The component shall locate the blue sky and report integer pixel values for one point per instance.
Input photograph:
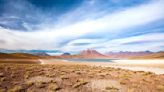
(75, 25)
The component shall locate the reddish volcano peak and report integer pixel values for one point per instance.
(90, 53)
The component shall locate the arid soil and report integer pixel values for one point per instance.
(76, 78)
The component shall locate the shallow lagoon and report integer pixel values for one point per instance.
(89, 60)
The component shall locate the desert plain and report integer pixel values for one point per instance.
(56, 75)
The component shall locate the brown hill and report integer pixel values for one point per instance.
(158, 55)
(125, 55)
(17, 56)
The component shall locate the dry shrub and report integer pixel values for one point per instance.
(53, 87)
(29, 84)
(79, 83)
(111, 88)
(17, 89)
(1, 75)
(40, 84)
(3, 79)
(160, 88)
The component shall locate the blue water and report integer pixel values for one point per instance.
(89, 60)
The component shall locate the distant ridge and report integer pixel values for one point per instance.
(125, 55)
(18, 56)
(89, 53)
(157, 55)
(66, 54)
(40, 54)
(28, 51)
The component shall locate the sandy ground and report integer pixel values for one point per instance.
(155, 66)
(54, 75)
(72, 77)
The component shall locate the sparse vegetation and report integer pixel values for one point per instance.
(29, 84)
(17, 89)
(40, 84)
(1, 75)
(160, 88)
(53, 87)
(111, 88)
(3, 79)
(80, 83)
(122, 82)
(64, 77)
(75, 78)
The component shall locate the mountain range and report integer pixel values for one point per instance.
(28, 51)
(89, 53)
(126, 54)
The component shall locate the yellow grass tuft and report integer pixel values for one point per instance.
(16, 89)
(111, 88)
(3, 79)
(29, 84)
(160, 88)
(79, 83)
(53, 87)
(40, 84)
(1, 75)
